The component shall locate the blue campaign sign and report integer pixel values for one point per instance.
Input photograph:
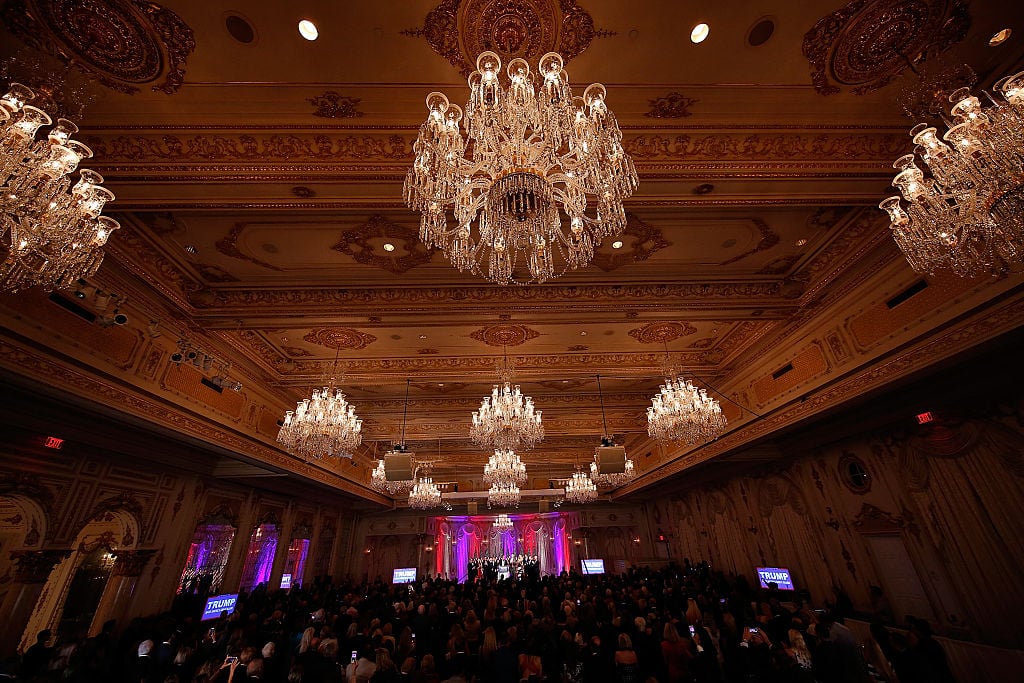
(779, 575)
(219, 603)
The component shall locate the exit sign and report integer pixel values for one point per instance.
(53, 442)
(925, 418)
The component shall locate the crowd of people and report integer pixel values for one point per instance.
(678, 624)
(504, 566)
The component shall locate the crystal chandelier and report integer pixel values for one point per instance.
(506, 419)
(682, 412)
(530, 148)
(581, 488)
(379, 481)
(969, 215)
(503, 496)
(502, 522)
(424, 494)
(48, 236)
(504, 467)
(325, 424)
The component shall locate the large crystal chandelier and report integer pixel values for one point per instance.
(580, 488)
(424, 494)
(530, 148)
(969, 215)
(503, 496)
(683, 412)
(506, 419)
(48, 236)
(324, 424)
(379, 481)
(502, 522)
(504, 467)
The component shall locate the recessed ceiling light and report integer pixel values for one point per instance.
(617, 244)
(801, 242)
(307, 29)
(388, 246)
(583, 333)
(191, 249)
(423, 336)
(1000, 37)
(440, 384)
(699, 33)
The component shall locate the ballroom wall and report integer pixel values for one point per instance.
(937, 522)
(57, 505)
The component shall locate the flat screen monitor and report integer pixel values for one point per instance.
(406, 575)
(778, 575)
(286, 581)
(503, 572)
(593, 566)
(219, 603)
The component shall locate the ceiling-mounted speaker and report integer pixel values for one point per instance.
(398, 466)
(472, 507)
(611, 460)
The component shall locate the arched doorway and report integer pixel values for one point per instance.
(80, 585)
(22, 527)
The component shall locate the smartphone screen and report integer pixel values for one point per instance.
(231, 660)
(355, 655)
(693, 631)
(753, 629)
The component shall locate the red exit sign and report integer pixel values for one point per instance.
(53, 442)
(925, 418)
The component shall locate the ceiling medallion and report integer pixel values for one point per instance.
(333, 105)
(339, 338)
(458, 30)
(969, 215)
(867, 43)
(674, 105)
(530, 153)
(505, 335)
(366, 244)
(659, 333)
(121, 43)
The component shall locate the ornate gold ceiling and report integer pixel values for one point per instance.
(259, 177)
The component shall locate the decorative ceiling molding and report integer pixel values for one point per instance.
(333, 105)
(660, 333)
(674, 105)
(123, 44)
(459, 30)
(365, 244)
(646, 240)
(505, 335)
(768, 240)
(339, 338)
(228, 246)
(866, 44)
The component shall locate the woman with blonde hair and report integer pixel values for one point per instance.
(677, 653)
(798, 649)
(693, 613)
(626, 663)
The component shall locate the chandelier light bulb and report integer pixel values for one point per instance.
(51, 233)
(522, 159)
(967, 215)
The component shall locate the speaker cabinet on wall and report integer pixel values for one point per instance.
(611, 460)
(398, 467)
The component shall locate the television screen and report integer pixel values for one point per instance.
(593, 566)
(286, 581)
(407, 575)
(779, 575)
(219, 603)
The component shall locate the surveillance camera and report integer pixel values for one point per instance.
(120, 319)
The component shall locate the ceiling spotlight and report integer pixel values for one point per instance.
(388, 246)
(307, 29)
(617, 244)
(699, 33)
(801, 242)
(1000, 37)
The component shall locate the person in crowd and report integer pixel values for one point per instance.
(37, 656)
(627, 664)
(677, 654)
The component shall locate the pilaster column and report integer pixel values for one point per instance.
(120, 588)
(31, 570)
(284, 540)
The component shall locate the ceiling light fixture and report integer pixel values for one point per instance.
(503, 496)
(969, 215)
(388, 246)
(424, 494)
(48, 236)
(1000, 37)
(530, 148)
(308, 30)
(502, 522)
(506, 419)
(617, 244)
(699, 33)
(325, 424)
(504, 467)
(682, 411)
(580, 488)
